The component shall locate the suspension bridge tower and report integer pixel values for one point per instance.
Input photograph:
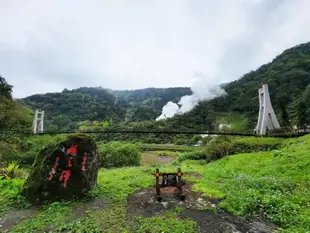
(37, 125)
(266, 116)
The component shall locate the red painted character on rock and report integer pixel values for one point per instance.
(72, 150)
(65, 175)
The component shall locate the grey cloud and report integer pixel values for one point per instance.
(121, 44)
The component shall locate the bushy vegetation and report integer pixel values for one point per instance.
(275, 183)
(165, 147)
(118, 154)
(99, 104)
(220, 146)
(10, 195)
(248, 144)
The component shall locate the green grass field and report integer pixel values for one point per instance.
(275, 184)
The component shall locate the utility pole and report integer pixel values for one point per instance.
(38, 122)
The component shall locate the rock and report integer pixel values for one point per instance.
(63, 171)
(165, 204)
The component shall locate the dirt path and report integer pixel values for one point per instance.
(204, 211)
(14, 217)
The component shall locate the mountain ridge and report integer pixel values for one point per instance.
(287, 75)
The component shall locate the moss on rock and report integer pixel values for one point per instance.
(76, 169)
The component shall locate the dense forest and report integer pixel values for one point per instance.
(288, 77)
(65, 109)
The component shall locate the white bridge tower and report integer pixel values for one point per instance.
(37, 125)
(266, 116)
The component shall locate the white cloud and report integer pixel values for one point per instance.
(51, 45)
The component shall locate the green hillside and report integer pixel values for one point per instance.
(65, 109)
(275, 183)
(288, 76)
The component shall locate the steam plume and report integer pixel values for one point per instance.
(203, 88)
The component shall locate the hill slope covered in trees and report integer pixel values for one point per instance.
(288, 76)
(63, 110)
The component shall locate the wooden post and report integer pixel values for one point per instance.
(179, 175)
(157, 185)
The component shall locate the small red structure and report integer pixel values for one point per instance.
(169, 180)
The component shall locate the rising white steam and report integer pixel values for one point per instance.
(169, 110)
(203, 88)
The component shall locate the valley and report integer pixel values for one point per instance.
(233, 183)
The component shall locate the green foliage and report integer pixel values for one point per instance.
(302, 117)
(101, 105)
(33, 145)
(252, 144)
(10, 196)
(25, 150)
(118, 154)
(195, 155)
(287, 77)
(275, 183)
(166, 147)
(107, 220)
(166, 223)
(119, 183)
(181, 139)
(166, 153)
(13, 116)
(50, 216)
(284, 115)
(5, 88)
(12, 170)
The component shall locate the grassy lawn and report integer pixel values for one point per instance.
(115, 185)
(274, 183)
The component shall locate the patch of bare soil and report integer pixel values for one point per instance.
(203, 210)
(14, 217)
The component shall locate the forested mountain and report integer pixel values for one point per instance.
(64, 109)
(288, 76)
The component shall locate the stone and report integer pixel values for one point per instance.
(63, 171)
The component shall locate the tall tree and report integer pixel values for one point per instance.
(302, 114)
(5, 88)
(284, 114)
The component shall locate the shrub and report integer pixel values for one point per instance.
(195, 155)
(118, 154)
(247, 145)
(222, 146)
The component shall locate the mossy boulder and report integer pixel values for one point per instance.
(66, 170)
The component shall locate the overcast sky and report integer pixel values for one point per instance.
(49, 45)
